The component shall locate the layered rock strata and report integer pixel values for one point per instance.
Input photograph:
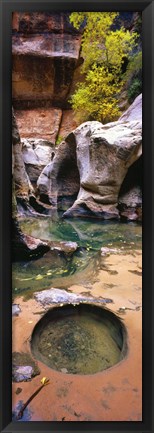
(45, 53)
(45, 49)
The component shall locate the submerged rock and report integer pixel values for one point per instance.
(105, 251)
(66, 247)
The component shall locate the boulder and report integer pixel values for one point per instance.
(26, 247)
(104, 154)
(60, 178)
(22, 373)
(100, 156)
(58, 296)
(24, 367)
(134, 112)
(16, 310)
(37, 153)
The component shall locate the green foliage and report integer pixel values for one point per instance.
(134, 90)
(94, 99)
(104, 52)
(59, 140)
(134, 67)
(133, 77)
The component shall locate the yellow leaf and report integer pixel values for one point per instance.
(44, 381)
(39, 277)
(25, 279)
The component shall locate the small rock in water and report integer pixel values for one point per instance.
(22, 373)
(106, 250)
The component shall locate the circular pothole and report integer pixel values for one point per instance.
(80, 339)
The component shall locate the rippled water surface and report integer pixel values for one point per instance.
(60, 270)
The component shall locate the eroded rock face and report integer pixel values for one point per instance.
(23, 187)
(39, 123)
(60, 178)
(37, 153)
(134, 112)
(23, 247)
(103, 155)
(46, 50)
(45, 54)
(130, 195)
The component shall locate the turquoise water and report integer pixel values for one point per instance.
(61, 271)
(91, 233)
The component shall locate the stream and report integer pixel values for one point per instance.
(60, 270)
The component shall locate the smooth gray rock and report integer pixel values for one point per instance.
(16, 309)
(56, 296)
(60, 177)
(104, 154)
(22, 373)
(134, 111)
(37, 153)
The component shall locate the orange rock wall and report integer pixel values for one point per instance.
(46, 50)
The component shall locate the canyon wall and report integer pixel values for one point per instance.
(46, 66)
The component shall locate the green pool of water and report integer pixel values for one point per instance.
(93, 233)
(81, 267)
(78, 340)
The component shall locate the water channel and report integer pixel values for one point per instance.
(59, 270)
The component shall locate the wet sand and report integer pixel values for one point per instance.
(114, 394)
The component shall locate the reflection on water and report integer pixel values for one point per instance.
(86, 232)
(82, 267)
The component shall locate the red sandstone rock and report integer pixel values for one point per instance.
(45, 49)
(68, 123)
(39, 123)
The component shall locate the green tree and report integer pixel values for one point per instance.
(104, 51)
(133, 76)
